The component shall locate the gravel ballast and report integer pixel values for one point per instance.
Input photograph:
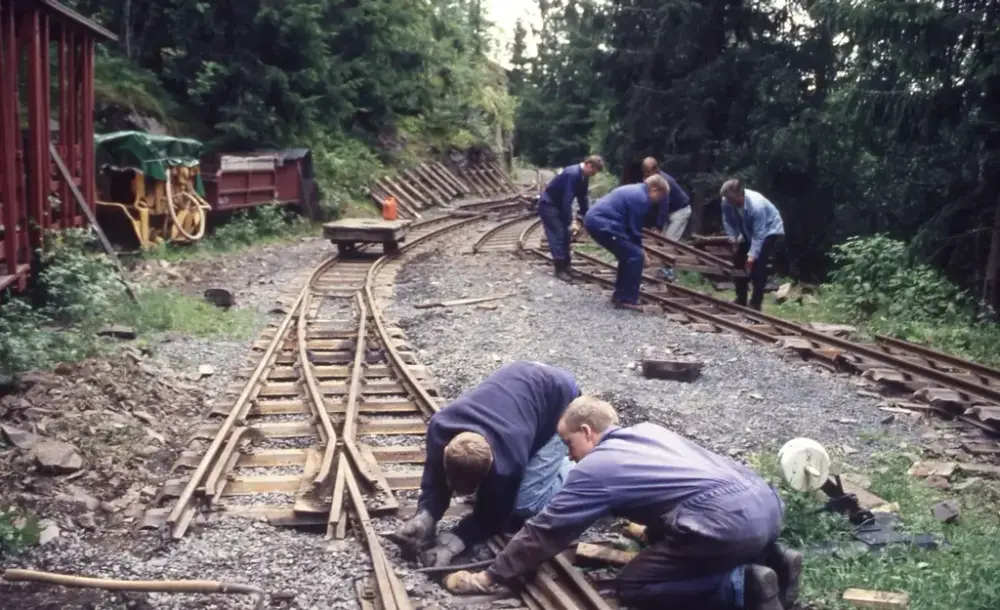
(748, 398)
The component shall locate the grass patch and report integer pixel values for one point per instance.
(78, 293)
(262, 225)
(168, 310)
(962, 577)
(18, 531)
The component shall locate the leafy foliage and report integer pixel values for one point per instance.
(855, 118)
(17, 531)
(362, 83)
(878, 282)
(79, 292)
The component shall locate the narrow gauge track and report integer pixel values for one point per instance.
(952, 386)
(310, 428)
(504, 236)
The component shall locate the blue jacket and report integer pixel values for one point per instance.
(623, 210)
(651, 476)
(759, 219)
(517, 409)
(560, 192)
(677, 200)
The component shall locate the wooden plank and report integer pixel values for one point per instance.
(305, 501)
(595, 553)
(883, 600)
(390, 502)
(457, 302)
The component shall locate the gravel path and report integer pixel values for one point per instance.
(749, 398)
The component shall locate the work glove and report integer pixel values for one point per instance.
(467, 583)
(635, 531)
(448, 546)
(413, 534)
(575, 229)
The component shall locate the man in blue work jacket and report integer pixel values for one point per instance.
(615, 222)
(754, 227)
(674, 216)
(555, 208)
(711, 523)
(497, 441)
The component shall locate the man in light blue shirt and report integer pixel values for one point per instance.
(755, 228)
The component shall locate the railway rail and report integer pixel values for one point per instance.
(951, 386)
(304, 442)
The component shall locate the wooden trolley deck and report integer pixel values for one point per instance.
(349, 232)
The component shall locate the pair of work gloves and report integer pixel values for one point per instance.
(417, 533)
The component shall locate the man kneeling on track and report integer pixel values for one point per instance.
(615, 222)
(498, 441)
(711, 523)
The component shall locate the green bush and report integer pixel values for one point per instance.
(17, 531)
(878, 283)
(80, 292)
(76, 284)
(344, 168)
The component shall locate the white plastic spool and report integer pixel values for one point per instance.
(805, 464)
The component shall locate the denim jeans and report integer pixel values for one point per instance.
(543, 478)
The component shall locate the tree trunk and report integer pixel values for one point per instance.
(991, 283)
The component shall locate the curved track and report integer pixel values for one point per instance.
(952, 386)
(327, 429)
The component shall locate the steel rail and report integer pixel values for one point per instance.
(216, 460)
(327, 433)
(427, 403)
(494, 230)
(931, 354)
(725, 266)
(966, 388)
(182, 513)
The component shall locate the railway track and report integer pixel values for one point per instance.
(951, 386)
(326, 431)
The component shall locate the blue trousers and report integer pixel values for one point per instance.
(543, 478)
(628, 253)
(556, 230)
(703, 550)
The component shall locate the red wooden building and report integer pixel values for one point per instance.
(46, 96)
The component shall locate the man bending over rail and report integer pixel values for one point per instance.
(615, 222)
(754, 227)
(555, 208)
(711, 523)
(498, 441)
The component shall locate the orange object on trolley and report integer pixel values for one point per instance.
(389, 208)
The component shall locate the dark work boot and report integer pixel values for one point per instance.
(562, 271)
(787, 564)
(760, 589)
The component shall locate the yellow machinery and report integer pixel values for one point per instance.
(156, 183)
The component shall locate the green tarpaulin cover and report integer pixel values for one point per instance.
(148, 153)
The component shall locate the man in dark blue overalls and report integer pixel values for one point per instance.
(497, 441)
(555, 208)
(615, 222)
(674, 215)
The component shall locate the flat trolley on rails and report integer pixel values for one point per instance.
(347, 233)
